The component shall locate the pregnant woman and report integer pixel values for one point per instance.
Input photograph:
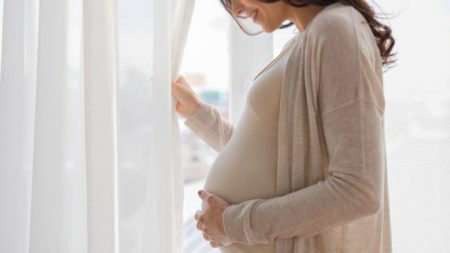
(304, 170)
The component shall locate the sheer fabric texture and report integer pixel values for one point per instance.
(78, 172)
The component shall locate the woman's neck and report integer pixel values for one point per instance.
(301, 17)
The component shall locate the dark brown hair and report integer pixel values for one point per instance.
(382, 33)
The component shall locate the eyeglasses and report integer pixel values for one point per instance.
(243, 21)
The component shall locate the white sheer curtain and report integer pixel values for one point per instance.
(151, 178)
(62, 141)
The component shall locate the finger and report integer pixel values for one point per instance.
(206, 196)
(175, 88)
(199, 226)
(181, 79)
(201, 193)
(178, 106)
(211, 200)
(205, 236)
(197, 215)
(214, 244)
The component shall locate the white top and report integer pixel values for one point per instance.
(246, 167)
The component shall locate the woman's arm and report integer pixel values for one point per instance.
(202, 119)
(209, 125)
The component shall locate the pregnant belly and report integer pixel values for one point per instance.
(244, 170)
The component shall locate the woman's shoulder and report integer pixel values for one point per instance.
(337, 21)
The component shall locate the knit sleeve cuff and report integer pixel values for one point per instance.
(237, 224)
(198, 120)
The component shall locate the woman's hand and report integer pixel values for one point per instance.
(187, 101)
(210, 220)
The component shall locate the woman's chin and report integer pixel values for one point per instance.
(268, 29)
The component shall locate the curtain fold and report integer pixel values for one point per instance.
(49, 202)
(163, 224)
(16, 127)
(100, 76)
(180, 28)
(59, 151)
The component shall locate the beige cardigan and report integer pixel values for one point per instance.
(331, 174)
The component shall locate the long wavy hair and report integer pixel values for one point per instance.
(383, 33)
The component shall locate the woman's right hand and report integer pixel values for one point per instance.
(187, 101)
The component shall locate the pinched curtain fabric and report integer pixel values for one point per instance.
(89, 141)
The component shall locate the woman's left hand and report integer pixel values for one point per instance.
(210, 221)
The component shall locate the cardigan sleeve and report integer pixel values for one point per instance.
(207, 123)
(352, 119)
